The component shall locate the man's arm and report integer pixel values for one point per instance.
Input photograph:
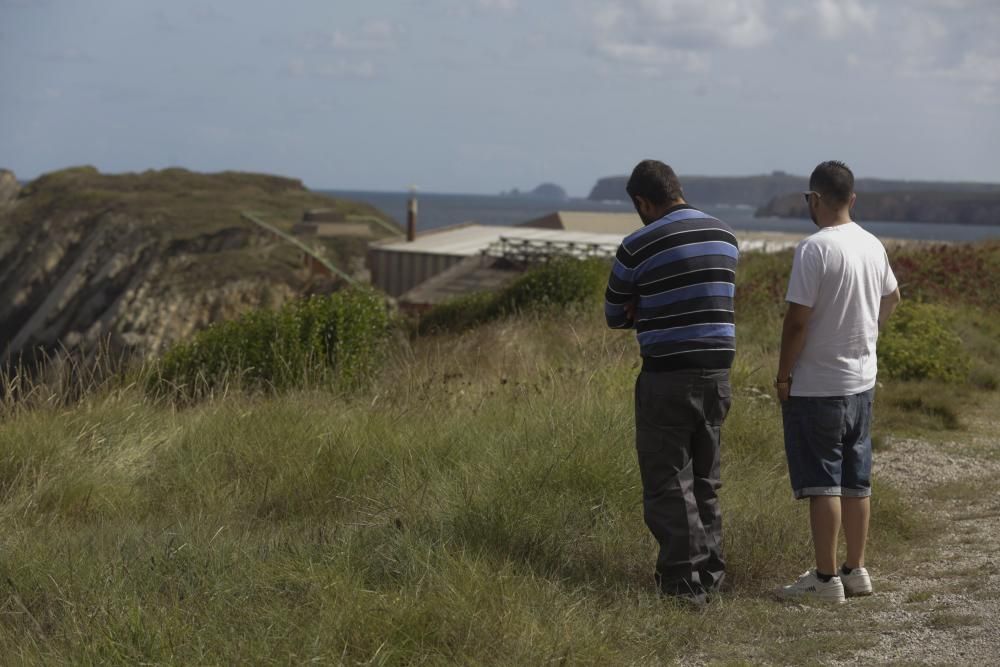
(621, 294)
(886, 306)
(793, 339)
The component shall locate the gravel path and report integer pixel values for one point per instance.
(941, 605)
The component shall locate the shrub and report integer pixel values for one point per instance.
(461, 313)
(331, 339)
(956, 273)
(918, 343)
(761, 284)
(559, 283)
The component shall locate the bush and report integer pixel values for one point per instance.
(918, 343)
(330, 339)
(460, 313)
(952, 273)
(559, 283)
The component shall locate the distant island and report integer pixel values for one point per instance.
(747, 190)
(543, 191)
(778, 194)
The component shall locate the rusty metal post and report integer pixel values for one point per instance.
(411, 217)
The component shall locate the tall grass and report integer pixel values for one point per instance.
(480, 503)
(477, 503)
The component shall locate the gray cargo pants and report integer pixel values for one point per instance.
(678, 415)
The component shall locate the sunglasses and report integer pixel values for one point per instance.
(807, 193)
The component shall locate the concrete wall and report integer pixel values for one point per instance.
(396, 272)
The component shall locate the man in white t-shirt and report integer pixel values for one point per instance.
(841, 292)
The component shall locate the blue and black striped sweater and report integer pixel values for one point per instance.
(680, 272)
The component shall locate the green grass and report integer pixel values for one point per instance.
(194, 215)
(182, 203)
(961, 489)
(944, 620)
(478, 503)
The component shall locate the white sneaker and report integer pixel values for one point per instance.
(809, 587)
(857, 583)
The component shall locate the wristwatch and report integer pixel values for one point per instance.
(778, 381)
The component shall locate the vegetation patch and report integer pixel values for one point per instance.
(953, 273)
(477, 502)
(336, 338)
(557, 284)
(919, 344)
(911, 406)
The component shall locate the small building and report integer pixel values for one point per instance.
(588, 221)
(397, 266)
(330, 223)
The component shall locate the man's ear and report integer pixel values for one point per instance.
(854, 198)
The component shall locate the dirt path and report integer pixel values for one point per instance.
(941, 605)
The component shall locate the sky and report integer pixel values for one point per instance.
(480, 96)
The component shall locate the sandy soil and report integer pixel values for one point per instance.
(941, 605)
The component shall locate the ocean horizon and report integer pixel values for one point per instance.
(437, 210)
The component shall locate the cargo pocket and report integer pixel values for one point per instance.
(663, 405)
(717, 403)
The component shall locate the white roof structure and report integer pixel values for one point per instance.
(468, 240)
(588, 221)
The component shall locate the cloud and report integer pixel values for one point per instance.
(371, 36)
(357, 53)
(338, 68)
(837, 17)
(952, 42)
(501, 5)
(71, 55)
(653, 59)
(667, 34)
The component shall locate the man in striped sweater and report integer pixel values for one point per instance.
(673, 282)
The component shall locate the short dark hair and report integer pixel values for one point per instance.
(655, 181)
(834, 182)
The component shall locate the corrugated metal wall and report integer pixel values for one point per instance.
(396, 272)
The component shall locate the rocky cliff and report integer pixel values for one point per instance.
(954, 207)
(754, 190)
(138, 261)
(761, 189)
(8, 187)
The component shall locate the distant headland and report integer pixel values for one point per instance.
(543, 191)
(778, 194)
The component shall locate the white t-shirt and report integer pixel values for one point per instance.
(842, 273)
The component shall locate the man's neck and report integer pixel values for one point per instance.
(667, 208)
(842, 218)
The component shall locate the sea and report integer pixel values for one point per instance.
(444, 210)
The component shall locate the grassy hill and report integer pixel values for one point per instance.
(139, 261)
(477, 503)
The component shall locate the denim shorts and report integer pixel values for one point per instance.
(828, 444)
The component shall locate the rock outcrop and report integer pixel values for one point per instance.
(761, 189)
(755, 190)
(940, 207)
(9, 187)
(136, 262)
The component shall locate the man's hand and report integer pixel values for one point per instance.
(793, 339)
(886, 306)
(783, 390)
(631, 308)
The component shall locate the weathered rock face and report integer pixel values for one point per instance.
(8, 187)
(138, 262)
